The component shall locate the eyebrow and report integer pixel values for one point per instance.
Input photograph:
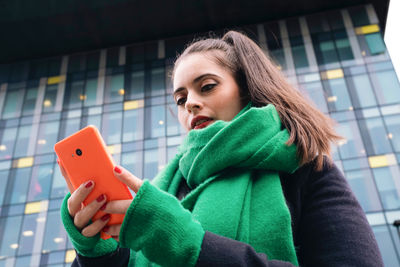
(196, 80)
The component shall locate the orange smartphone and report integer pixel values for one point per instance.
(84, 157)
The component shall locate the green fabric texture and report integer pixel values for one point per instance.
(85, 246)
(232, 169)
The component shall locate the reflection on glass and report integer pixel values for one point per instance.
(74, 93)
(393, 126)
(352, 146)
(39, 188)
(343, 45)
(7, 140)
(47, 137)
(137, 85)
(387, 87)
(375, 43)
(3, 182)
(12, 104)
(388, 186)
(337, 95)
(50, 98)
(316, 95)
(30, 101)
(69, 127)
(133, 162)
(363, 95)
(59, 186)
(55, 237)
(22, 142)
(29, 235)
(154, 121)
(298, 52)
(89, 98)
(362, 184)
(385, 244)
(133, 125)
(9, 241)
(150, 163)
(324, 48)
(114, 89)
(111, 130)
(157, 81)
(375, 135)
(20, 185)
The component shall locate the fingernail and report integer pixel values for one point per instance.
(105, 217)
(103, 207)
(106, 228)
(117, 170)
(100, 198)
(88, 184)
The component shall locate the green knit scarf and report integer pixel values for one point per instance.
(232, 168)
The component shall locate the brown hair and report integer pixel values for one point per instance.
(262, 83)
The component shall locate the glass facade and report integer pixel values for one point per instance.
(337, 59)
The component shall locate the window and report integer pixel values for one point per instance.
(343, 45)
(111, 127)
(7, 139)
(30, 233)
(55, 237)
(386, 86)
(136, 79)
(30, 101)
(385, 244)
(324, 48)
(133, 162)
(173, 125)
(23, 141)
(50, 98)
(20, 186)
(40, 184)
(393, 126)
(157, 81)
(151, 163)
(11, 230)
(133, 125)
(388, 187)
(363, 94)
(374, 136)
(298, 52)
(3, 182)
(13, 103)
(154, 121)
(47, 137)
(114, 88)
(375, 43)
(352, 146)
(337, 94)
(316, 94)
(90, 94)
(59, 186)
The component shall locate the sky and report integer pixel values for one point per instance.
(392, 34)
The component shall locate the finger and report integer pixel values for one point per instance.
(128, 178)
(83, 216)
(96, 226)
(117, 206)
(112, 230)
(78, 196)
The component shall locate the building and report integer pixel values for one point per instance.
(49, 89)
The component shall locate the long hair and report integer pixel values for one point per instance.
(262, 83)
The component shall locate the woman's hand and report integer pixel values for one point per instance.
(121, 206)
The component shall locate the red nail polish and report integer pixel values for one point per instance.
(88, 184)
(117, 170)
(58, 161)
(105, 217)
(100, 198)
(103, 207)
(106, 228)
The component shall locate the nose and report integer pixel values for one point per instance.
(193, 103)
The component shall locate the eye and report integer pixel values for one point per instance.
(208, 87)
(180, 101)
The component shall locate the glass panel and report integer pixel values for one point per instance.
(23, 261)
(133, 162)
(150, 163)
(375, 136)
(173, 125)
(324, 48)
(47, 137)
(69, 127)
(10, 227)
(22, 142)
(385, 244)
(20, 186)
(157, 81)
(316, 95)
(353, 145)
(111, 130)
(31, 234)
(363, 95)
(41, 182)
(12, 104)
(114, 88)
(393, 126)
(55, 237)
(359, 16)
(375, 43)
(133, 125)
(7, 137)
(137, 85)
(50, 98)
(30, 101)
(171, 152)
(3, 182)
(337, 95)
(74, 94)
(154, 121)
(388, 186)
(343, 45)
(93, 120)
(298, 52)
(275, 51)
(387, 87)
(59, 186)
(362, 184)
(90, 92)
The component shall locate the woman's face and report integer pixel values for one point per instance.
(204, 92)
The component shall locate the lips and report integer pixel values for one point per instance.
(199, 122)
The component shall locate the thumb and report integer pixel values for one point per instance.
(128, 178)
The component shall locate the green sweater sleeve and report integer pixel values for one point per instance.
(85, 246)
(164, 231)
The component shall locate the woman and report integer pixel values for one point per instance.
(252, 184)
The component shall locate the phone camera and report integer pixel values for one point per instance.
(78, 152)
